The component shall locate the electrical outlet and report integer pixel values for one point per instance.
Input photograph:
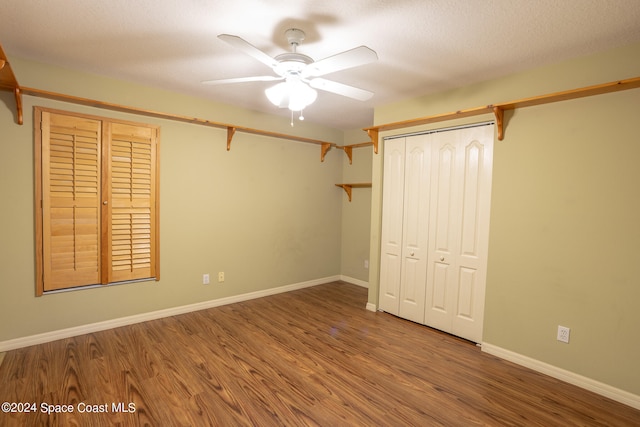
(366, 263)
(221, 276)
(563, 334)
(205, 279)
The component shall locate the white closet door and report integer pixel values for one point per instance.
(443, 217)
(435, 228)
(416, 228)
(392, 216)
(476, 158)
(459, 224)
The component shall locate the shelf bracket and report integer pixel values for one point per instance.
(230, 132)
(373, 134)
(349, 152)
(499, 113)
(18, 94)
(347, 189)
(324, 148)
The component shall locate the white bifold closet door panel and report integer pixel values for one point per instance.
(391, 237)
(435, 228)
(405, 232)
(459, 226)
(415, 230)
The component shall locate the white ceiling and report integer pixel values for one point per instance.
(423, 46)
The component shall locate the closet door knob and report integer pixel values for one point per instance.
(441, 258)
(412, 254)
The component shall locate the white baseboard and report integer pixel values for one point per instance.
(370, 307)
(152, 315)
(355, 281)
(602, 389)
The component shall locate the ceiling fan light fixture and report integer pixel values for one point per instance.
(277, 94)
(293, 93)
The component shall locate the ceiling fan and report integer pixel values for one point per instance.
(299, 73)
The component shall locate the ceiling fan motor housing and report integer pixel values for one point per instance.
(294, 36)
(291, 64)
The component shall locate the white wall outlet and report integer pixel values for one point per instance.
(366, 263)
(563, 334)
(221, 276)
(205, 279)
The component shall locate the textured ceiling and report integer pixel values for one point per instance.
(424, 46)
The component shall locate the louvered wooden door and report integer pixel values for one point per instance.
(129, 226)
(97, 189)
(71, 201)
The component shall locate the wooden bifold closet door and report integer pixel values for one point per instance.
(97, 193)
(129, 222)
(71, 190)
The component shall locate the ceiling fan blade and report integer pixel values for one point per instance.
(249, 49)
(242, 80)
(348, 59)
(340, 89)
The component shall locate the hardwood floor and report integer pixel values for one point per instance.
(309, 357)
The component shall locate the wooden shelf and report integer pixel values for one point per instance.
(498, 109)
(9, 82)
(348, 187)
(231, 129)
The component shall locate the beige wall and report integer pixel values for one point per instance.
(564, 216)
(356, 215)
(267, 213)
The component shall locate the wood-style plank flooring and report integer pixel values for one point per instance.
(309, 357)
